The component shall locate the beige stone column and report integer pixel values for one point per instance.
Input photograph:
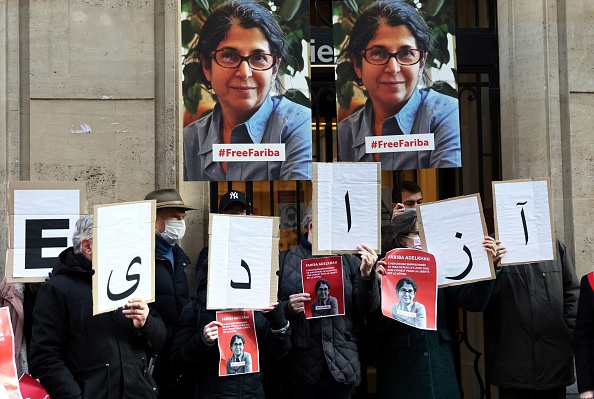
(547, 88)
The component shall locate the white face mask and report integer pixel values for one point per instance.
(174, 231)
(416, 242)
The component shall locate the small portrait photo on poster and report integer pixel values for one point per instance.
(322, 280)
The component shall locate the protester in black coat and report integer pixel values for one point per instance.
(76, 355)
(195, 351)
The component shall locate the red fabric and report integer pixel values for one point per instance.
(10, 296)
(31, 388)
(591, 280)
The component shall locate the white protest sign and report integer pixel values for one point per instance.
(242, 261)
(524, 220)
(346, 206)
(123, 254)
(453, 231)
(41, 216)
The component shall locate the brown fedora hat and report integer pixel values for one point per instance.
(168, 198)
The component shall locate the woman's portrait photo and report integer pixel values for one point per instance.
(240, 57)
(407, 310)
(386, 79)
(240, 362)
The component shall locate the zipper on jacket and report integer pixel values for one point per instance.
(546, 285)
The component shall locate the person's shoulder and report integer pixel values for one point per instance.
(282, 106)
(438, 101)
(353, 119)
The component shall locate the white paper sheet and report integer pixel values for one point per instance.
(345, 189)
(524, 220)
(123, 248)
(238, 244)
(453, 233)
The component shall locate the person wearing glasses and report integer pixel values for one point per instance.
(240, 362)
(325, 305)
(240, 51)
(407, 310)
(388, 47)
(427, 354)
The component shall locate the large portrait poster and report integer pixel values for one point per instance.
(243, 261)
(409, 288)
(323, 281)
(524, 220)
(396, 73)
(123, 254)
(238, 346)
(346, 207)
(453, 231)
(41, 217)
(256, 80)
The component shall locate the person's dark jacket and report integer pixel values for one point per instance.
(529, 325)
(190, 354)
(172, 293)
(329, 342)
(416, 363)
(584, 337)
(76, 355)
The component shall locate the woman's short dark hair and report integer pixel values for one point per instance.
(394, 13)
(406, 280)
(400, 226)
(247, 14)
(237, 336)
(322, 281)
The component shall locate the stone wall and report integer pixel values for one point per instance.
(91, 92)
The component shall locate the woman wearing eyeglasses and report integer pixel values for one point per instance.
(240, 51)
(412, 362)
(407, 310)
(388, 47)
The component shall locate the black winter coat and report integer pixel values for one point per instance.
(200, 361)
(584, 337)
(77, 355)
(529, 325)
(330, 342)
(415, 363)
(171, 295)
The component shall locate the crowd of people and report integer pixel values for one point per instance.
(169, 348)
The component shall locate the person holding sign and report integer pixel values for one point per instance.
(529, 325)
(388, 47)
(77, 355)
(172, 292)
(240, 51)
(323, 360)
(195, 353)
(407, 310)
(427, 354)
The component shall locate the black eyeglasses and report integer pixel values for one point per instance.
(406, 57)
(230, 59)
(406, 291)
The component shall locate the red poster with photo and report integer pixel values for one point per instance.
(9, 383)
(238, 346)
(409, 288)
(322, 279)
